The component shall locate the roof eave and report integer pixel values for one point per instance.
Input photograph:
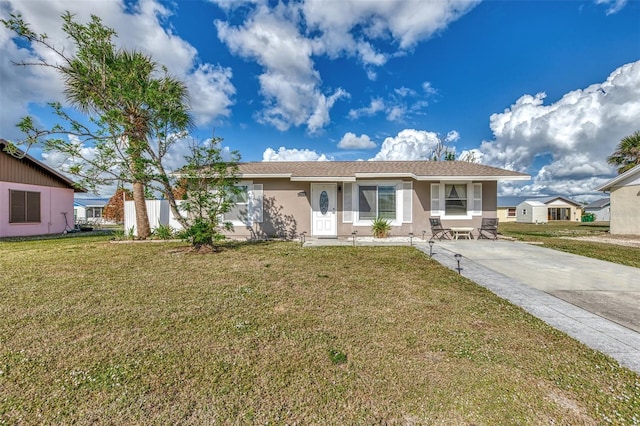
(41, 165)
(465, 178)
(607, 186)
(323, 179)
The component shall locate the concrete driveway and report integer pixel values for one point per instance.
(604, 288)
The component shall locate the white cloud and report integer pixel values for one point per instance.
(409, 144)
(614, 5)
(374, 107)
(320, 116)
(290, 83)
(284, 37)
(351, 141)
(428, 88)
(452, 136)
(292, 154)
(400, 103)
(211, 93)
(577, 132)
(141, 27)
(349, 27)
(396, 112)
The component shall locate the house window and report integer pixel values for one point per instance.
(524, 211)
(559, 213)
(239, 211)
(94, 212)
(377, 201)
(511, 212)
(24, 207)
(455, 199)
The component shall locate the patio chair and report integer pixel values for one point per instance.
(488, 228)
(437, 231)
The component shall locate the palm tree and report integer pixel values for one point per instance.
(627, 155)
(125, 96)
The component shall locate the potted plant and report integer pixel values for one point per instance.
(380, 228)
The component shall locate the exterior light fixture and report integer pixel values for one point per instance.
(431, 248)
(458, 256)
(423, 233)
(302, 238)
(353, 237)
(411, 238)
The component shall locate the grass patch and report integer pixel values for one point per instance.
(553, 235)
(274, 333)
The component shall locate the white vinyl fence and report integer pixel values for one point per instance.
(159, 214)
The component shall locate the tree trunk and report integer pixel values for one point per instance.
(142, 219)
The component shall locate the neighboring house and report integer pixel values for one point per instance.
(547, 209)
(625, 202)
(601, 209)
(34, 198)
(336, 198)
(507, 208)
(89, 210)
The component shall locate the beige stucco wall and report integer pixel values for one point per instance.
(286, 213)
(575, 211)
(625, 210)
(501, 214)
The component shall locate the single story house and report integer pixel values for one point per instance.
(507, 207)
(547, 209)
(601, 209)
(336, 198)
(34, 198)
(89, 210)
(625, 202)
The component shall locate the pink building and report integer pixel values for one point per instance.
(33, 197)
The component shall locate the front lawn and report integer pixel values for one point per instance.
(275, 333)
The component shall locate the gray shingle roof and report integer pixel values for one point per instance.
(421, 170)
(598, 204)
(90, 202)
(513, 201)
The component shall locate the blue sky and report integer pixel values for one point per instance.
(543, 87)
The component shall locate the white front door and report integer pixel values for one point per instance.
(324, 218)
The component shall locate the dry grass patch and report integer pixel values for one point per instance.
(274, 333)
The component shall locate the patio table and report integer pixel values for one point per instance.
(462, 232)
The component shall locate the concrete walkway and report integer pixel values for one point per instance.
(595, 302)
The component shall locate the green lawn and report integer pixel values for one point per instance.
(553, 235)
(273, 333)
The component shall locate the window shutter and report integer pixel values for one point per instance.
(407, 205)
(18, 202)
(477, 199)
(435, 199)
(347, 203)
(33, 207)
(256, 203)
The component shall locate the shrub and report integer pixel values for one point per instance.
(163, 232)
(381, 227)
(202, 232)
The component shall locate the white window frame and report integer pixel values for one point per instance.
(254, 203)
(355, 197)
(438, 194)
